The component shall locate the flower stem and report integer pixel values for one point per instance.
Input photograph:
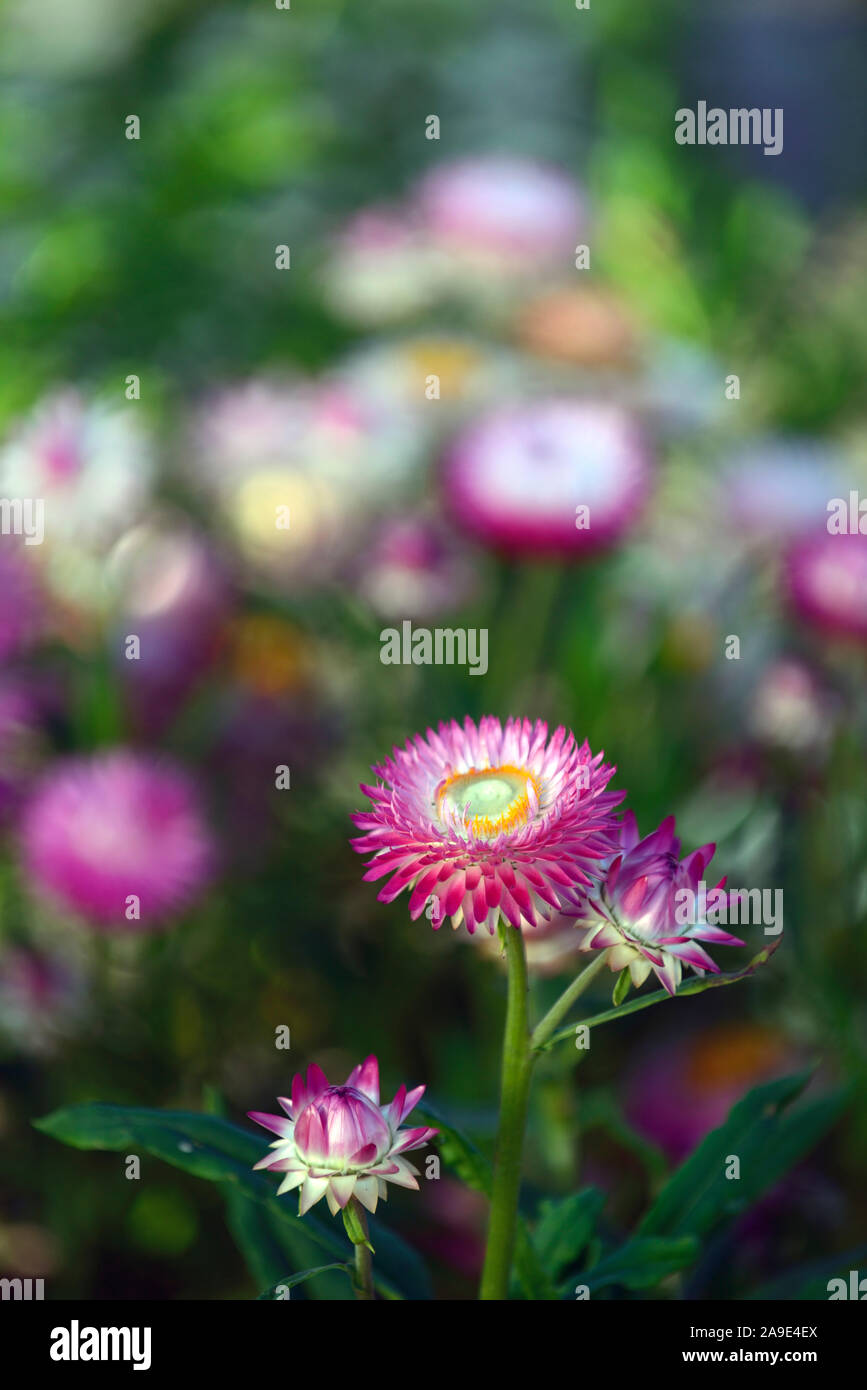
(557, 1011)
(364, 1262)
(514, 1092)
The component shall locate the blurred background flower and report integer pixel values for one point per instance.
(405, 425)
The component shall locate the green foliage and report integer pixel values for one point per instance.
(764, 1135)
(209, 1147)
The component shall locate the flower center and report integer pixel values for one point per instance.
(488, 801)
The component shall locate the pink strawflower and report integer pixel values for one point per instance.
(100, 831)
(498, 206)
(563, 477)
(826, 578)
(338, 1142)
(640, 921)
(479, 822)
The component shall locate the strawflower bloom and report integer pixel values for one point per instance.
(338, 1142)
(560, 477)
(639, 915)
(101, 829)
(479, 822)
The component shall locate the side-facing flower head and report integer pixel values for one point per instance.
(479, 822)
(338, 1142)
(650, 911)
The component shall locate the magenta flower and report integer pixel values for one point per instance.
(643, 922)
(562, 477)
(489, 821)
(116, 839)
(338, 1142)
(826, 578)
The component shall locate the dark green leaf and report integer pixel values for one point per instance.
(565, 1227)
(811, 1281)
(640, 1264)
(764, 1136)
(208, 1146)
(695, 985)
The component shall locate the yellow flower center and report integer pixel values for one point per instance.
(489, 800)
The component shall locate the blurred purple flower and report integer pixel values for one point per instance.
(41, 996)
(826, 583)
(101, 832)
(173, 594)
(412, 568)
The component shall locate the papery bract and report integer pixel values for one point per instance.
(640, 920)
(479, 822)
(338, 1142)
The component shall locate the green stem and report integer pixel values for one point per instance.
(363, 1259)
(543, 1030)
(514, 1093)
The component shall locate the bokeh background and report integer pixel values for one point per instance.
(409, 257)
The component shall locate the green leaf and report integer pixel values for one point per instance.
(353, 1227)
(641, 1263)
(210, 1147)
(811, 1281)
(270, 1245)
(695, 985)
(621, 988)
(277, 1292)
(564, 1229)
(767, 1139)
(461, 1155)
